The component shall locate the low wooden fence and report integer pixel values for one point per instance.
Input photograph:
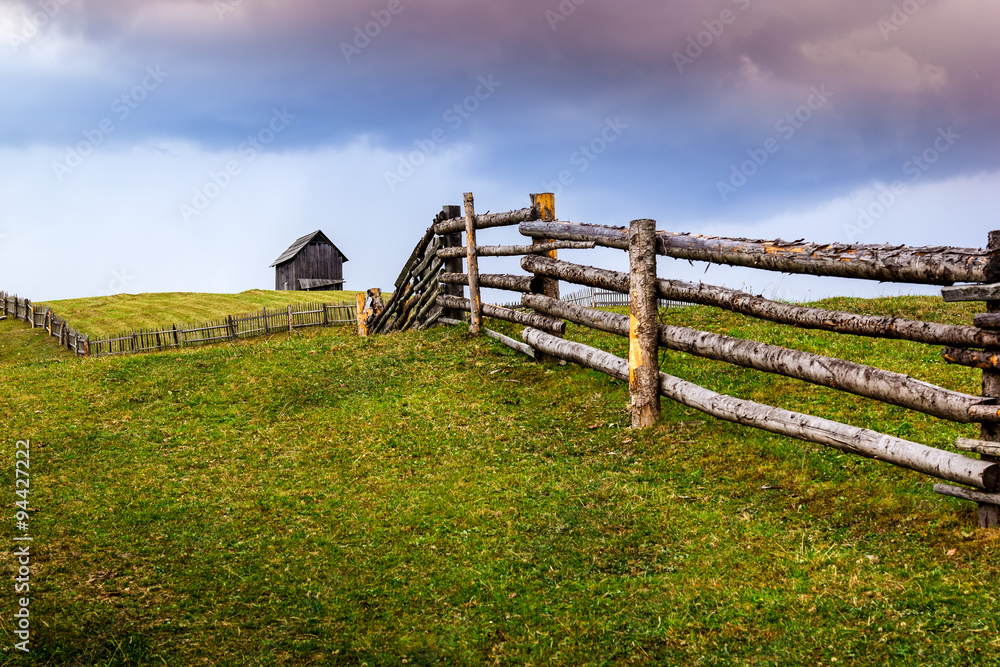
(231, 327)
(431, 287)
(600, 298)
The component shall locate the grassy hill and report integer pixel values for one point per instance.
(110, 315)
(427, 498)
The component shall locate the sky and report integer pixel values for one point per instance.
(182, 145)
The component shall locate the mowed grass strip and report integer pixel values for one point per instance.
(429, 498)
(111, 315)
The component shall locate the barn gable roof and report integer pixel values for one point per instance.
(301, 243)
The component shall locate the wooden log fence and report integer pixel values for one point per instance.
(851, 439)
(228, 328)
(976, 345)
(884, 263)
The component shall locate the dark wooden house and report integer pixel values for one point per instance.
(312, 263)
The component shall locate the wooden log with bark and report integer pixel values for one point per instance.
(502, 281)
(961, 293)
(991, 499)
(487, 221)
(472, 264)
(643, 330)
(989, 514)
(510, 342)
(515, 250)
(885, 263)
(972, 358)
(989, 321)
(978, 446)
(875, 383)
(489, 310)
(938, 463)
(876, 326)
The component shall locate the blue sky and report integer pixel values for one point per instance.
(183, 145)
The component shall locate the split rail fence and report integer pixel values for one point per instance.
(231, 327)
(431, 287)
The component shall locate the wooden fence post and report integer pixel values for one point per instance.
(369, 305)
(452, 265)
(232, 327)
(177, 337)
(476, 321)
(290, 325)
(644, 326)
(545, 204)
(989, 514)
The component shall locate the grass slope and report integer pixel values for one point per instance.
(110, 315)
(426, 498)
(20, 345)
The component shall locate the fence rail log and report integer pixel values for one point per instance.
(502, 281)
(987, 361)
(978, 446)
(489, 310)
(938, 463)
(989, 321)
(877, 326)
(486, 221)
(435, 315)
(885, 263)
(960, 293)
(967, 494)
(515, 250)
(882, 385)
(510, 342)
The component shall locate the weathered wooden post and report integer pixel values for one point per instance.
(454, 264)
(290, 320)
(545, 204)
(369, 305)
(476, 320)
(989, 509)
(989, 514)
(644, 327)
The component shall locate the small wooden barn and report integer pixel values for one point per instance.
(312, 263)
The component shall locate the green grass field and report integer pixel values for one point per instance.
(110, 315)
(427, 498)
